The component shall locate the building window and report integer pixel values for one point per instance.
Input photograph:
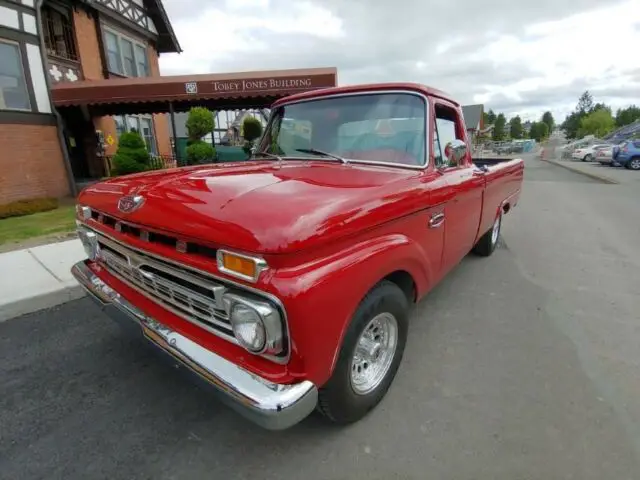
(58, 34)
(13, 87)
(143, 124)
(125, 56)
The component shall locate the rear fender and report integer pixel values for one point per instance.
(321, 297)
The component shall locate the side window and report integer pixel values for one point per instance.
(447, 129)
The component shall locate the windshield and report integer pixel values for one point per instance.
(378, 127)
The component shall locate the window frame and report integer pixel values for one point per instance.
(266, 137)
(26, 78)
(135, 43)
(459, 127)
(64, 14)
(138, 121)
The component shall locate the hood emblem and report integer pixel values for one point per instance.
(129, 203)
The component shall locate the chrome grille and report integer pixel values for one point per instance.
(188, 295)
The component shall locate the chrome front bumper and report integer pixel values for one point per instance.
(270, 405)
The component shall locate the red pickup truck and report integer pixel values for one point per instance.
(285, 282)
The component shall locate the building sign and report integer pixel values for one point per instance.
(191, 88)
(262, 85)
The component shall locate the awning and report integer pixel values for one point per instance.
(215, 91)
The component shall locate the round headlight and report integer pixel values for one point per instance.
(248, 327)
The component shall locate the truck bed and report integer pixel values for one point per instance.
(488, 161)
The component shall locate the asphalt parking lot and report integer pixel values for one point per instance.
(520, 366)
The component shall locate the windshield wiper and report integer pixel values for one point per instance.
(270, 155)
(313, 151)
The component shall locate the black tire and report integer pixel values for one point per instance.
(487, 244)
(587, 158)
(337, 399)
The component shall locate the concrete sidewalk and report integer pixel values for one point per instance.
(38, 277)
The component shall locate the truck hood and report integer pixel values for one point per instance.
(262, 207)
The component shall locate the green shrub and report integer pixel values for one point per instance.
(199, 123)
(124, 164)
(27, 207)
(132, 155)
(251, 129)
(200, 152)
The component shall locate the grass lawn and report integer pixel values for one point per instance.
(16, 229)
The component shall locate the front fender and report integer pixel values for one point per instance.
(321, 296)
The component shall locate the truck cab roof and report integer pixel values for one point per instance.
(368, 87)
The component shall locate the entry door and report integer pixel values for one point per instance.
(465, 189)
(463, 214)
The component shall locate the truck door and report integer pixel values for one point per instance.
(463, 210)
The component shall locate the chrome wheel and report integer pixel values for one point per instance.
(374, 353)
(496, 230)
(634, 164)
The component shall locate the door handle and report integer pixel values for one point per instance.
(479, 173)
(436, 220)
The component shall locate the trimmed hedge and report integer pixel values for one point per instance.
(132, 155)
(27, 207)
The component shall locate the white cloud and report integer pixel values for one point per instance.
(518, 56)
(592, 46)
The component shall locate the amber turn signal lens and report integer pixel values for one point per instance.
(240, 265)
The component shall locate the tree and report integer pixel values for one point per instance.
(539, 131)
(199, 123)
(547, 118)
(489, 118)
(132, 155)
(585, 103)
(499, 128)
(515, 127)
(571, 124)
(251, 130)
(626, 116)
(599, 123)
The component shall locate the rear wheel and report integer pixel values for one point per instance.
(587, 158)
(487, 243)
(369, 357)
(633, 164)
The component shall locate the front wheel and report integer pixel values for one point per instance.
(587, 158)
(369, 357)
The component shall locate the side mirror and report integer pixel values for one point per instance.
(455, 151)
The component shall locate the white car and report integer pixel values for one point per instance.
(604, 155)
(586, 154)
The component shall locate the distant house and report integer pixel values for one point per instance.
(473, 119)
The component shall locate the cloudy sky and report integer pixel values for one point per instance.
(516, 56)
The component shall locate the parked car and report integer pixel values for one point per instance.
(285, 282)
(586, 154)
(604, 155)
(627, 155)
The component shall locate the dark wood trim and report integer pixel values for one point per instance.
(26, 68)
(59, 5)
(21, 21)
(19, 7)
(17, 36)
(26, 118)
(101, 45)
